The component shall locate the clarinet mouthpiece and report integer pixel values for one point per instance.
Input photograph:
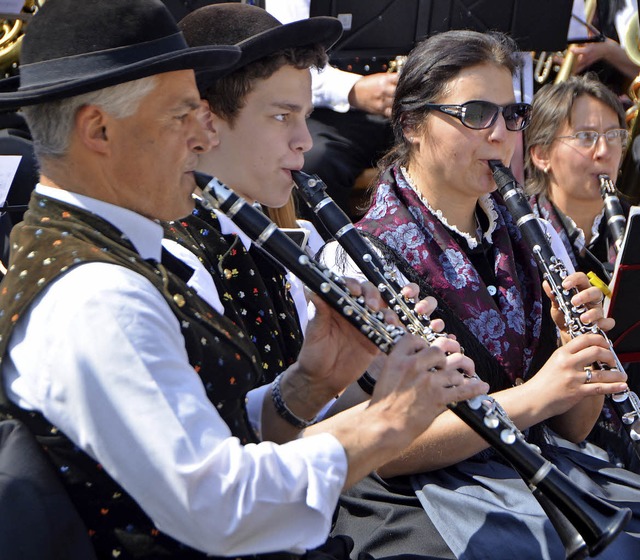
(495, 165)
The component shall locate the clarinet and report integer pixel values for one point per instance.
(616, 221)
(597, 521)
(626, 404)
(313, 191)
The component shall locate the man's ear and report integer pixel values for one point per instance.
(540, 157)
(207, 118)
(92, 128)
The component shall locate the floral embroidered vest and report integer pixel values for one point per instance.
(55, 237)
(253, 288)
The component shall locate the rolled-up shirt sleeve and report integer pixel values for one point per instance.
(101, 355)
(331, 87)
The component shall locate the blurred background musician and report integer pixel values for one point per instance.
(578, 132)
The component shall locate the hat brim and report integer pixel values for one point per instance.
(321, 30)
(215, 60)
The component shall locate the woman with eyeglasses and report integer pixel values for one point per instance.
(577, 133)
(436, 217)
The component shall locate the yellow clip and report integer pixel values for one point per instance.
(594, 280)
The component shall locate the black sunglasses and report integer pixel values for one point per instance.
(483, 114)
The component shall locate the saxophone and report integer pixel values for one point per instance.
(616, 221)
(626, 404)
(596, 522)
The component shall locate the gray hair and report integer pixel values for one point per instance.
(551, 109)
(51, 123)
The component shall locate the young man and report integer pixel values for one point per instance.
(258, 125)
(136, 385)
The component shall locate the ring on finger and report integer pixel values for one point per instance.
(589, 373)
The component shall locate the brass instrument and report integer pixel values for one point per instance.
(632, 48)
(628, 183)
(544, 63)
(11, 34)
(397, 63)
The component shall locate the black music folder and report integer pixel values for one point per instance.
(624, 303)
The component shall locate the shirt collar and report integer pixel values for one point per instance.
(145, 234)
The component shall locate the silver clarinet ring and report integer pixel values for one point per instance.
(588, 371)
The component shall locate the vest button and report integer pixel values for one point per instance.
(227, 274)
(518, 381)
(492, 290)
(179, 299)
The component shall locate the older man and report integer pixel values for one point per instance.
(137, 386)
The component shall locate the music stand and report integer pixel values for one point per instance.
(380, 30)
(624, 304)
(539, 25)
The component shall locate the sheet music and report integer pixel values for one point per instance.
(8, 168)
(633, 211)
(11, 6)
(577, 30)
(623, 17)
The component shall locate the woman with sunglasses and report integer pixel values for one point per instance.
(436, 217)
(578, 133)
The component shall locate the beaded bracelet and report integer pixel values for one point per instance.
(283, 410)
(367, 383)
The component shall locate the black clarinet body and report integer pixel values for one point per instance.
(313, 191)
(613, 212)
(626, 404)
(597, 521)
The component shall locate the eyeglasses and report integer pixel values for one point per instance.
(587, 139)
(479, 115)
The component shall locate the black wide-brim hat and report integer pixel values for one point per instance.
(72, 47)
(255, 31)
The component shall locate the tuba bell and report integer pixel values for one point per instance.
(11, 34)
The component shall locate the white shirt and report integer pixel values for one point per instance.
(101, 355)
(330, 86)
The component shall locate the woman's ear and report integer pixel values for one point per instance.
(410, 134)
(540, 157)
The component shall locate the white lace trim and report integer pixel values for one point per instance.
(595, 228)
(581, 241)
(485, 202)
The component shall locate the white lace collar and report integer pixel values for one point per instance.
(486, 205)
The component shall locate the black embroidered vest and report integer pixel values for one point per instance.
(55, 237)
(252, 287)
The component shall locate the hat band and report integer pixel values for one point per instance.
(48, 72)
